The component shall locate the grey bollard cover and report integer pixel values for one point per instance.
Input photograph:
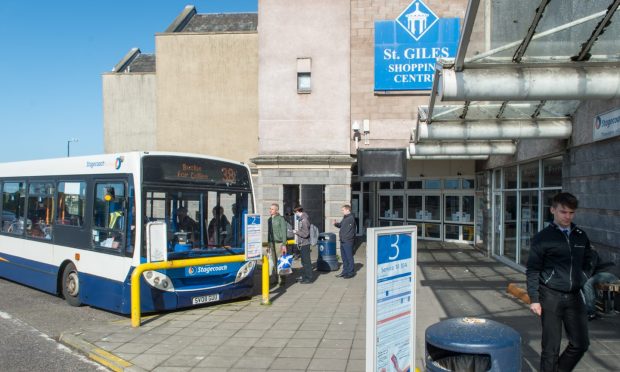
(470, 337)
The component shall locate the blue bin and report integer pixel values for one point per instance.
(472, 344)
(327, 260)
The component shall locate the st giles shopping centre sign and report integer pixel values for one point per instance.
(406, 48)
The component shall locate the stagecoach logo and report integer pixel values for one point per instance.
(203, 270)
(417, 19)
(119, 162)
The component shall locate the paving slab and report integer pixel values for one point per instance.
(322, 326)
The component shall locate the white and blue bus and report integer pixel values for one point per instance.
(76, 227)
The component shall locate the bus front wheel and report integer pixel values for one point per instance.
(71, 285)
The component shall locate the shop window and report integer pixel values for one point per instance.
(529, 175)
(552, 172)
(40, 210)
(398, 185)
(13, 202)
(71, 202)
(468, 183)
(510, 177)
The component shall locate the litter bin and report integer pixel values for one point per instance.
(472, 345)
(327, 260)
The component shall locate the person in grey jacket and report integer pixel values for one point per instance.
(302, 235)
(347, 240)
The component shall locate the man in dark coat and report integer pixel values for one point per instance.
(347, 240)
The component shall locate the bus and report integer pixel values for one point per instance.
(76, 227)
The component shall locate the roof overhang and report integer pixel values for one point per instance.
(521, 70)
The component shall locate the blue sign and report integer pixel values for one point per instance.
(407, 48)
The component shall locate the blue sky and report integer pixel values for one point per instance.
(52, 56)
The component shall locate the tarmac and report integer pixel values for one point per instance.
(322, 326)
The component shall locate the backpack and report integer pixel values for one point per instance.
(289, 231)
(314, 235)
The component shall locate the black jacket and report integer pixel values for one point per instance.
(347, 228)
(558, 262)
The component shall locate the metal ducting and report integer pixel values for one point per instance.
(530, 84)
(462, 148)
(494, 130)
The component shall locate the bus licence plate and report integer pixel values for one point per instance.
(205, 299)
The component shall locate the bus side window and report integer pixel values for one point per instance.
(110, 214)
(40, 210)
(13, 202)
(70, 204)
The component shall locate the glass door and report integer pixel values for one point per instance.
(459, 217)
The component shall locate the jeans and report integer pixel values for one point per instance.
(306, 262)
(589, 289)
(346, 249)
(568, 309)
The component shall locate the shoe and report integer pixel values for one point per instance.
(339, 275)
(305, 281)
(592, 316)
(299, 279)
(348, 276)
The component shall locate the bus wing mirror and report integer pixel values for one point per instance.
(156, 241)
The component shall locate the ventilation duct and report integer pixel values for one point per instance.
(462, 148)
(494, 130)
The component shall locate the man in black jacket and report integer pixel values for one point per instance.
(347, 240)
(559, 258)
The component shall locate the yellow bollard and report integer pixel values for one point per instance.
(265, 281)
(135, 276)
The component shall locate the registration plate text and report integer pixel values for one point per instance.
(205, 299)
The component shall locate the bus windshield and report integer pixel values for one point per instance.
(200, 221)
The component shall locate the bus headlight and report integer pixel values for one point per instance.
(158, 280)
(245, 270)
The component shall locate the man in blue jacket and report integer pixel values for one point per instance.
(347, 240)
(559, 258)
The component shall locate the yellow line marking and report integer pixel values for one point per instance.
(109, 360)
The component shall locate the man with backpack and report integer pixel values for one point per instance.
(302, 237)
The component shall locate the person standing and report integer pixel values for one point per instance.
(347, 240)
(302, 233)
(600, 274)
(276, 238)
(560, 256)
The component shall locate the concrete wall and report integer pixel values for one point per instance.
(129, 113)
(592, 173)
(207, 94)
(293, 123)
(391, 117)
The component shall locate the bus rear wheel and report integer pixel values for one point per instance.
(71, 285)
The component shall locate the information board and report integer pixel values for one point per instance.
(390, 298)
(253, 237)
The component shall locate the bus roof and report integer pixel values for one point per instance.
(113, 163)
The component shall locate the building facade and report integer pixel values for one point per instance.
(315, 86)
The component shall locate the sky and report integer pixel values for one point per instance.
(52, 56)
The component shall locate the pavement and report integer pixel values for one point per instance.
(322, 326)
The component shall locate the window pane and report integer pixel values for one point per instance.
(497, 177)
(398, 206)
(415, 207)
(451, 208)
(452, 232)
(468, 183)
(451, 184)
(510, 177)
(529, 222)
(414, 185)
(384, 206)
(552, 172)
(432, 230)
(40, 210)
(13, 201)
(432, 207)
(510, 225)
(398, 185)
(110, 212)
(384, 185)
(432, 184)
(71, 203)
(468, 209)
(529, 175)
(546, 207)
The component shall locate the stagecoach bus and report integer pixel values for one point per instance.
(76, 227)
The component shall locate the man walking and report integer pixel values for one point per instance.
(347, 240)
(276, 238)
(560, 257)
